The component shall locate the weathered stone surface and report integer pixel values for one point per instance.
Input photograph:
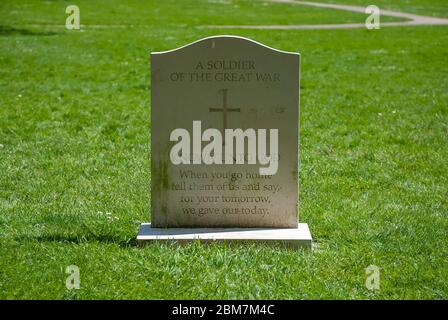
(224, 83)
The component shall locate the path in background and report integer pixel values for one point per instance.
(414, 19)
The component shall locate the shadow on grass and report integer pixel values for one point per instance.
(132, 242)
(8, 30)
(79, 239)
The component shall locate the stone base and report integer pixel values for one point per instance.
(299, 237)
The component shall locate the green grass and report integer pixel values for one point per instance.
(172, 13)
(436, 8)
(74, 145)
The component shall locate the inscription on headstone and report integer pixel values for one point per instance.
(224, 135)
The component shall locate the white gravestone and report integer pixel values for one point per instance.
(224, 143)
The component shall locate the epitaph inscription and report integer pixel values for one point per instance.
(224, 135)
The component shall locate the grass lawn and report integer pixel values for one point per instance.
(75, 166)
(436, 8)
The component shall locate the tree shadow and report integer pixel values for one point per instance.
(8, 30)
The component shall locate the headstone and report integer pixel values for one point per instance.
(224, 136)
